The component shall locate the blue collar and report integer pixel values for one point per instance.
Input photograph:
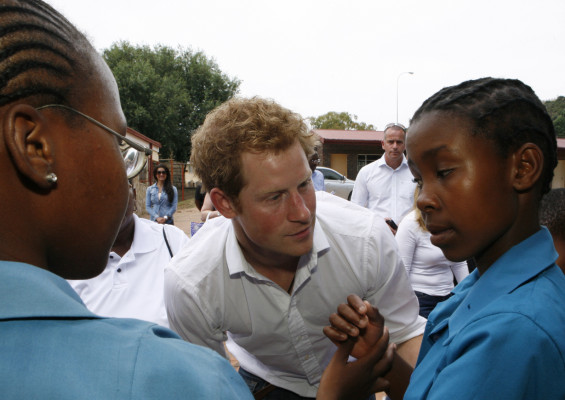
(515, 267)
(31, 292)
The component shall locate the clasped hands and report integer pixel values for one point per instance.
(357, 329)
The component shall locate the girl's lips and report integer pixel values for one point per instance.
(440, 234)
(440, 238)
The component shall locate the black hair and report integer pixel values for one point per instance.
(505, 111)
(167, 185)
(199, 195)
(552, 212)
(39, 53)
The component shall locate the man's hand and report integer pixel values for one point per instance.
(358, 320)
(358, 327)
(358, 379)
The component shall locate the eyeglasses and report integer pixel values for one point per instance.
(134, 159)
(315, 161)
(395, 125)
(161, 173)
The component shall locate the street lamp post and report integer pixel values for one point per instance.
(397, 79)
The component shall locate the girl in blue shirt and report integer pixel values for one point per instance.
(483, 154)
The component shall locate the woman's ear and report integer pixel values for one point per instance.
(528, 161)
(223, 203)
(29, 144)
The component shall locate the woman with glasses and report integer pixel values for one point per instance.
(63, 197)
(161, 198)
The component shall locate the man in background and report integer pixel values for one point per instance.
(386, 185)
(317, 176)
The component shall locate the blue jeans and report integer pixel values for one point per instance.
(254, 383)
(428, 302)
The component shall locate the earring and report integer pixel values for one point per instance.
(51, 177)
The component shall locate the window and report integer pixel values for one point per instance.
(364, 159)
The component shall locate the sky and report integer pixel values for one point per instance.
(316, 56)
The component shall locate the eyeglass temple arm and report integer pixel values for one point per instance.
(136, 146)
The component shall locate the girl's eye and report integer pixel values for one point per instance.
(444, 172)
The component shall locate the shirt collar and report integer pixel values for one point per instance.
(143, 241)
(237, 263)
(31, 292)
(381, 162)
(518, 265)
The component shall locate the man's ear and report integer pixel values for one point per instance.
(528, 163)
(29, 143)
(223, 203)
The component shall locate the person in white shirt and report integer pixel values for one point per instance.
(267, 274)
(132, 284)
(430, 273)
(386, 186)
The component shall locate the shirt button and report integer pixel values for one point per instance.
(119, 270)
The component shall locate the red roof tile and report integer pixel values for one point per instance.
(336, 135)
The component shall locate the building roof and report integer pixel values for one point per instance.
(350, 137)
(141, 136)
(359, 137)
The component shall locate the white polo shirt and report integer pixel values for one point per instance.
(213, 294)
(385, 191)
(132, 286)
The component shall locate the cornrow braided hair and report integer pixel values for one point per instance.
(552, 212)
(38, 52)
(506, 111)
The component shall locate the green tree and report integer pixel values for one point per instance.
(342, 120)
(556, 109)
(166, 94)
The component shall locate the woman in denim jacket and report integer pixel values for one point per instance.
(161, 198)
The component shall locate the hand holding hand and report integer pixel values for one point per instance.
(359, 320)
(358, 379)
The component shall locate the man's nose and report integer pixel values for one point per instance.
(298, 209)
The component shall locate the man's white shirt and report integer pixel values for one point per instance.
(132, 286)
(212, 294)
(385, 191)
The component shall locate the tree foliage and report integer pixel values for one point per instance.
(342, 120)
(556, 109)
(166, 94)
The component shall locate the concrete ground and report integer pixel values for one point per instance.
(184, 217)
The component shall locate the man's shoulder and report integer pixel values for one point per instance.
(339, 216)
(373, 165)
(203, 255)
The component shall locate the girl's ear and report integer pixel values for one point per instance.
(29, 144)
(528, 163)
(223, 203)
